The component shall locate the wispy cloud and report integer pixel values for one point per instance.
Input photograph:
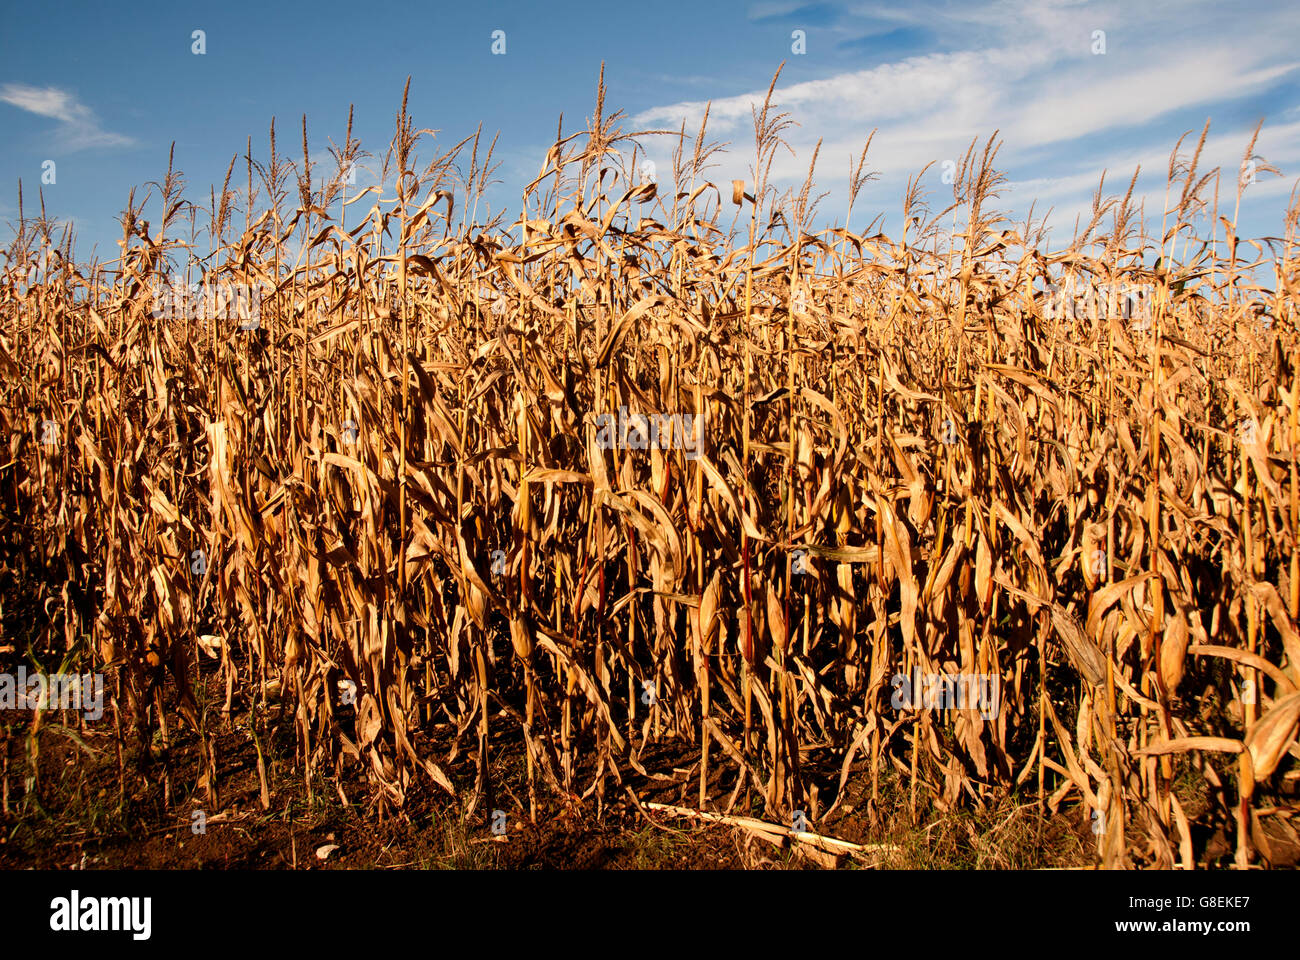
(1028, 70)
(807, 14)
(78, 128)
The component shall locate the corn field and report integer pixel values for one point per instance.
(380, 489)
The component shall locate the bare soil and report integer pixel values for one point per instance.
(89, 810)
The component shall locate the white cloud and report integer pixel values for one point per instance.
(78, 128)
(1026, 69)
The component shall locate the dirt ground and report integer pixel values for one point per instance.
(80, 813)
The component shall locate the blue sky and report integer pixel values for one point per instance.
(103, 92)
